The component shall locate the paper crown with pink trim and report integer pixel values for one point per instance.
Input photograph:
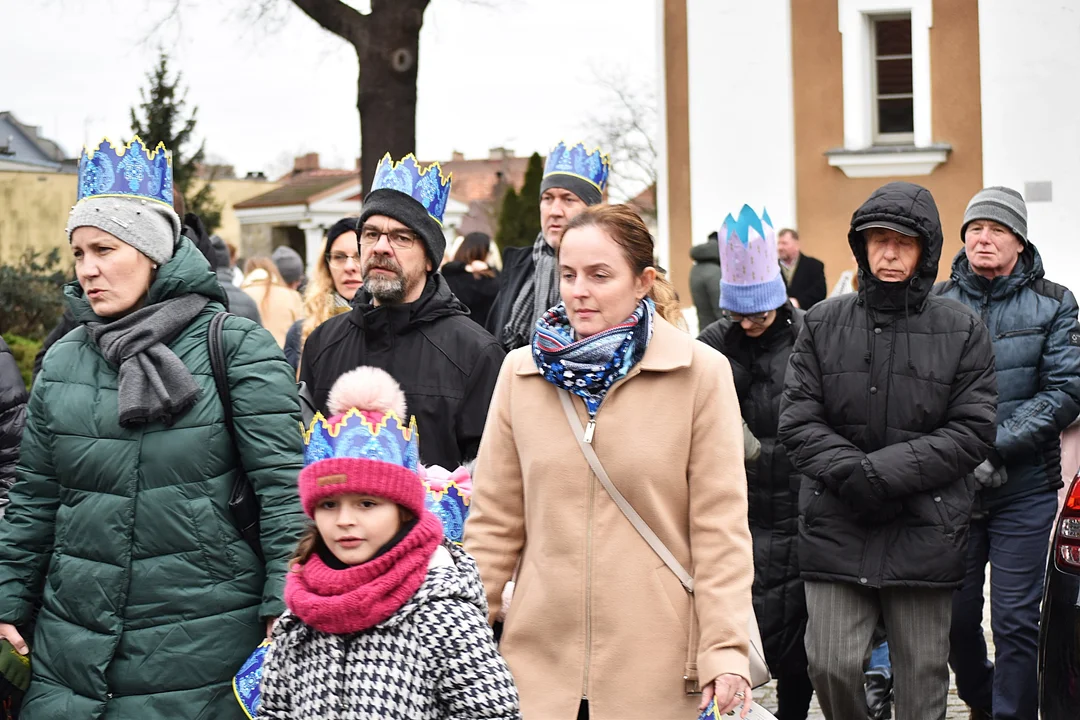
(367, 428)
(750, 272)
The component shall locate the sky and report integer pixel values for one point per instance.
(521, 74)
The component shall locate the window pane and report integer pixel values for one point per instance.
(893, 37)
(894, 77)
(896, 115)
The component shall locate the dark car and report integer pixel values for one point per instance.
(1059, 631)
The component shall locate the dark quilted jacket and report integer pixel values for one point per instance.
(892, 388)
(434, 659)
(150, 600)
(1036, 338)
(758, 366)
(12, 419)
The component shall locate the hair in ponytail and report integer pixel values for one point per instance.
(628, 230)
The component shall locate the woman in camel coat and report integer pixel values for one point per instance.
(599, 627)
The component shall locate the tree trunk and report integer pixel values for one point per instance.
(386, 96)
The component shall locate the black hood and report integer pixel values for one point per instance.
(437, 301)
(706, 253)
(912, 206)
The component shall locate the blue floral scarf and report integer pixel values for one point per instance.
(589, 367)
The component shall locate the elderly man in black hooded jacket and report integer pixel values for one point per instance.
(889, 404)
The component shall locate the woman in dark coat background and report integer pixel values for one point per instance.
(756, 333)
(470, 278)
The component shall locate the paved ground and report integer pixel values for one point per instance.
(957, 710)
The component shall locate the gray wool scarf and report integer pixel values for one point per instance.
(154, 383)
(539, 294)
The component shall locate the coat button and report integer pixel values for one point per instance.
(937, 498)
(873, 390)
(863, 580)
(877, 331)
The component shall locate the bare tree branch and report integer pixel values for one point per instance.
(625, 127)
(335, 16)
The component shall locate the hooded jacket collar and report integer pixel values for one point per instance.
(913, 206)
(435, 302)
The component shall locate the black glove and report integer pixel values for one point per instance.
(865, 501)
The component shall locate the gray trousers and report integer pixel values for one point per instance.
(838, 644)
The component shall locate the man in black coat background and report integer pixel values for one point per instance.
(889, 403)
(528, 283)
(406, 321)
(804, 275)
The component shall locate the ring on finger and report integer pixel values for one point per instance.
(740, 694)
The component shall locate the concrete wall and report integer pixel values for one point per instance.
(826, 197)
(741, 110)
(1030, 66)
(34, 209)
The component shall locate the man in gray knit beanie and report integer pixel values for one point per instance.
(1000, 204)
(999, 275)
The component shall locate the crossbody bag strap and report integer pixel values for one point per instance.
(216, 340)
(627, 509)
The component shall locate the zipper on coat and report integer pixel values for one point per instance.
(588, 589)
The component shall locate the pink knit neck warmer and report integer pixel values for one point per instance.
(348, 601)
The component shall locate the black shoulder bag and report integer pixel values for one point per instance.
(243, 503)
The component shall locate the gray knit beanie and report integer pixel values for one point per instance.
(289, 264)
(150, 227)
(1002, 205)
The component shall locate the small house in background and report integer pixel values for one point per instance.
(23, 148)
(310, 199)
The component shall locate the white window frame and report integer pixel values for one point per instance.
(880, 138)
(859, 71)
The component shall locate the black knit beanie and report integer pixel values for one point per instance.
(582, 188)
(406, 210)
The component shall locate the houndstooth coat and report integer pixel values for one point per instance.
(434, 659)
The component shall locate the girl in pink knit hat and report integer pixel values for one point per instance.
(386, 619)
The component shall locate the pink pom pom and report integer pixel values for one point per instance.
(367, 389)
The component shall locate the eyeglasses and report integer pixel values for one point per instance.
(340, 260)
(756, 319)
(399, 239)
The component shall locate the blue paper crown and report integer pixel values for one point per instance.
(366, 435)
(747, 219)
(426, 186)
(452, 509)
(592, 167)
(130, 171)
(246, 683)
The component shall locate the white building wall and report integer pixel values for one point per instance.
(742, 137)
(1029, 66)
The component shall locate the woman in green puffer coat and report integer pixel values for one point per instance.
(119, 527)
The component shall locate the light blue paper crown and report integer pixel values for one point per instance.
(130, 171)
(426, 186)
(452, 509)
(368, 435)
(576, 161)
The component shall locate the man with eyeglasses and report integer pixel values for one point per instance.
(889, 403)
(756, 331)
(574, 179)
(406, 320)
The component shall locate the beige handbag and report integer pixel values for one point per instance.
(759, 670)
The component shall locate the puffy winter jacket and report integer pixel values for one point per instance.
(446, 364)
(705, 282)
(12, 419)
(434, 659)
(518, 267)
(150, 599)
(888, 405)
(1033, 323)
(758, 366)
